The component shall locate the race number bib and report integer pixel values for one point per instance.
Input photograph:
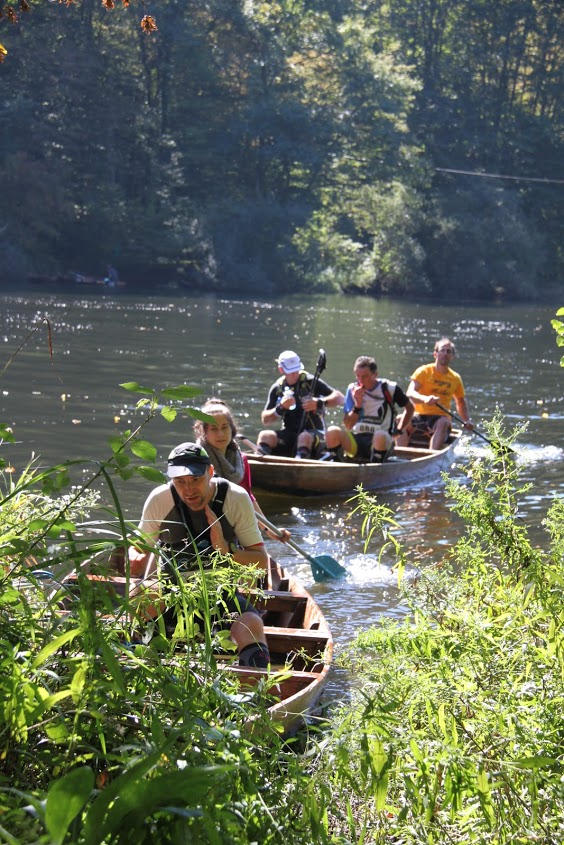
(368, 425)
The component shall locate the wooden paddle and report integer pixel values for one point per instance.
(495, 443)
(248, 443)
(322, 566)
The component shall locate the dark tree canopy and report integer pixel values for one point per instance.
(287, 145)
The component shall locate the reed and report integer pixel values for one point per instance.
(454, 734)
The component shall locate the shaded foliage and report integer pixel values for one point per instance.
(287, 145)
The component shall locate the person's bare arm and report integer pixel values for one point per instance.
(333, 400)
(421, 398)
(142, 563)
(284, 531)
(405, 418)
(271, 415)
(250, 555)
(462, 410)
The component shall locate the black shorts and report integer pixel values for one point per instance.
(287, 441)
(424, 424)
(223, 613)
(364, 450)
(363, 447)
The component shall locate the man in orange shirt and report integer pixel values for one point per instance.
(433, 385)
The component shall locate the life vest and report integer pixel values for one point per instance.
(192, 536)
(292, 419)
(384, 420)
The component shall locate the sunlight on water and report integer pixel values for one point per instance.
(367, 570)
(529, 454)
(507, 356)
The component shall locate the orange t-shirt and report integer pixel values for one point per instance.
(432, 383)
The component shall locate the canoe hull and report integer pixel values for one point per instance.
(301, 648)
(297, 633)
(290, 475)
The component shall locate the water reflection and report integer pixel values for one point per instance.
(507, 356)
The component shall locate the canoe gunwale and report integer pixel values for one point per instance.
(308, 477)
(309, 649)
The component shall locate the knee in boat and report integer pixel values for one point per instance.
(305, 439)
(333, 437)
(440, 433)
(381, 442)
(247, 628)
(267, 441)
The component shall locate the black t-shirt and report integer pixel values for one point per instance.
(291, 420)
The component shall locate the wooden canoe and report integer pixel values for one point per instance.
(406, 466)
(301, 648)
(298, 637)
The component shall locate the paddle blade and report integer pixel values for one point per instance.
(325, 566)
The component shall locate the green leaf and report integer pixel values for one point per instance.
(38, 524)
(54, 645)
(55, 482)
(182, 391)
(116, 443)
(125, 473)
(135, 387)
(122, 460)
(66, 798)
(441, 720)
(198, 415)
(539, 762)
(57, 732)
(112, 665)
(50, 701)
(178, 789)
(144, 449)
(6, 433)
(169, 413)
(78, 682)
(152, 474)
(95, 826)
(53, 530)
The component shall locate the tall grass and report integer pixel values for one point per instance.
(455, 733)
(112, 732)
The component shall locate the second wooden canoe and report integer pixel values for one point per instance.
(406, 466)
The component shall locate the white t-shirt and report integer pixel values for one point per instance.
(238, 509)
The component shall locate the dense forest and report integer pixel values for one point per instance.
(408, 147)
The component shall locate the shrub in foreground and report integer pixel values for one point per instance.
(455, 734)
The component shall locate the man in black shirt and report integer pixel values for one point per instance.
(290, 401)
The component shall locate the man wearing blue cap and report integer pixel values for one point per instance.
(290, 402)
(195, 514)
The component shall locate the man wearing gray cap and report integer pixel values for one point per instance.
(291, 402)
(193, 515)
